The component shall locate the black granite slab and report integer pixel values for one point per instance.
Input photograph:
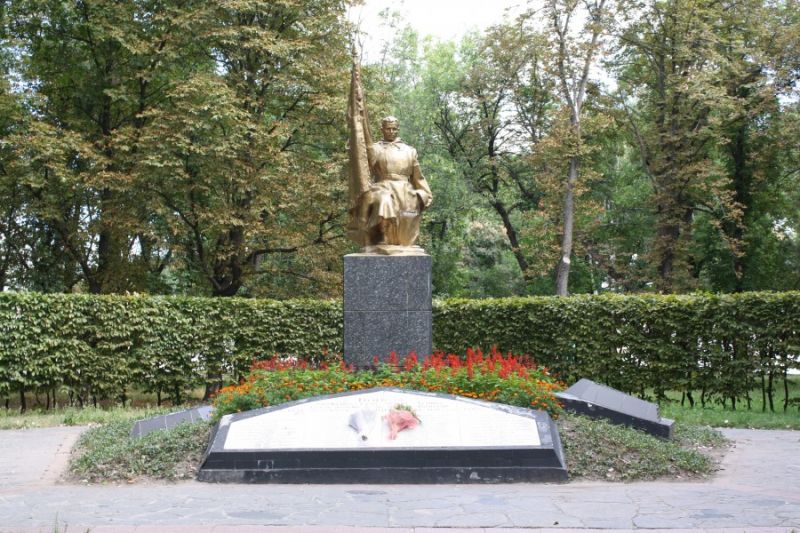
(600, 401)
(387, 307)
(416, 465)
(170, 420)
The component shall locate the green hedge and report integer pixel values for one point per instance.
(101, 346)
(720, 345)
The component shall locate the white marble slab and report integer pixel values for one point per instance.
(325, 424)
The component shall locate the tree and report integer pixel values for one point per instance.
(488, 115)
(243, 155)
(12, 231)
(576, 48)
(92, 69)
(672, 87)
(461, 231)
(753, 34)
(127, 159)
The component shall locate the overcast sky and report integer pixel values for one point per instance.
(443, 19)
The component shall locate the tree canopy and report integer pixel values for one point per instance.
(199, 146)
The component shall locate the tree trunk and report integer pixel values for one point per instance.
(770, 391)
(513, 240)
(562, 275)
(785, 389)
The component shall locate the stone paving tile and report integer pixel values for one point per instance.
(479, 519)
(104, 529)
(349, 529)
(452, 530)
(663, 522)
(34, 456)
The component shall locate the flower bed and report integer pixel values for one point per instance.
(509, 379)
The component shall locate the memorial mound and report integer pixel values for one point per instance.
(385, 436)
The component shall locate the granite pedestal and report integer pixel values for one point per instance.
(387, 307)
(320, 440)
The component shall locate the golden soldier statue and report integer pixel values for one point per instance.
(387, 190)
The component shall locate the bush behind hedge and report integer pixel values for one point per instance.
(101, 346)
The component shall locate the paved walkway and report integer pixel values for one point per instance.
(757, 490)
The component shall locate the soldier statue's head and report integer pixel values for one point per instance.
(389, 127)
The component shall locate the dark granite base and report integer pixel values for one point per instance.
(387, 307)
(599, 401)
(390, 475)
(486, 464)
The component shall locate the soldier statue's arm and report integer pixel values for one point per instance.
(420, 184)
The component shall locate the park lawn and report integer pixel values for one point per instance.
(716, 416)
(759, 416)
(75, 416)
(140, 405)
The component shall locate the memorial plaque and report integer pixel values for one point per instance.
(170, 420)
(348, 438)
(599, 401)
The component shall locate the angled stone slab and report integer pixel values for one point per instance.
(599, 401)
(459, 440)
(170, 420)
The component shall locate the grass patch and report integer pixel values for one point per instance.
(596, 449)
(760, 415)
(75, 416)
(108, 454)
(717, 416)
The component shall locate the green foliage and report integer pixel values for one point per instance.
(100, 346)
(493, 377)
(197, 135)
(718, 346)
(197, 147)
(108, 453)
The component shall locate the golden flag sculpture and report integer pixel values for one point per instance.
(359, 141)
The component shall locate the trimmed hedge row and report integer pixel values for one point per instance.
(100, 346)
(721, 345)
